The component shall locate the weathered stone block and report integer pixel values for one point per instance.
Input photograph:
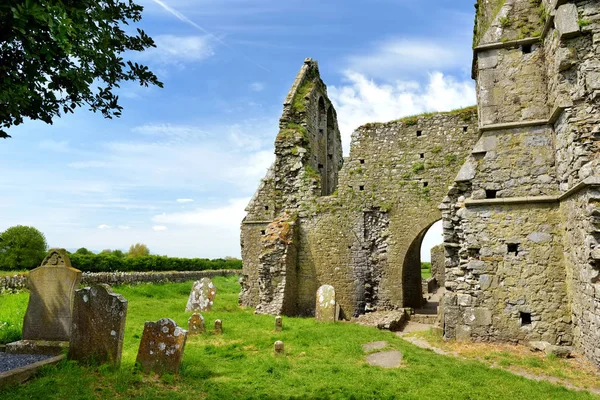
(196, 325)
(326, 305)
(161, 347)
(52, 287)
(566, 20)
(98, 325)
(202, 296)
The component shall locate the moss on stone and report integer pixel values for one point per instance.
(299, 101)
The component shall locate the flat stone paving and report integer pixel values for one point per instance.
(385, 359)
(12, 361)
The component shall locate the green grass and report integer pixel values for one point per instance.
(321, 361)
(425, 270)
(12, 273)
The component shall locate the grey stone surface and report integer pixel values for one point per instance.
(52, 287)
(566, 20)
(202, 296)
(326, 304)
(278, 323)
(279, 347)
(98, 327)
(385, 359)
(218, 327)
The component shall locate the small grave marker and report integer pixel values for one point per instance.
(161, 348)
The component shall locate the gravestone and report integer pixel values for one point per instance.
(278, 323)
(218, 327)
(279, 347)
(326, 307)
(52, 287)
(202, 296)
(196, 325)
(161, 348)
(98, 325)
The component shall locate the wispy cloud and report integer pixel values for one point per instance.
(188, 21)
(159, 228)
(124, 227)
(178, 50)
(52, 145)
(185, 200)
(230, 215)
(103, 226)
(170, 130)
(257, 86)
(397, 57)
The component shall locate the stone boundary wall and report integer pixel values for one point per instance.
(19, 282)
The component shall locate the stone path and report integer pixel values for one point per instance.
(385, 359)
(12, 361)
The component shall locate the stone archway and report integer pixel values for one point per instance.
(412, 292)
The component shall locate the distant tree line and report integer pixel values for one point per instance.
(24, 247)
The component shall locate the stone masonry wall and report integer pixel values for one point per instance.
(438, 269)
(520, 222)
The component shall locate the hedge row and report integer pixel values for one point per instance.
(109, 262)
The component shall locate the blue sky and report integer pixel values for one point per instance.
(177, 169)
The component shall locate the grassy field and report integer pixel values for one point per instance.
(11, 273)
(321, 361)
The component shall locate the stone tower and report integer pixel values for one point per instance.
(521, 222)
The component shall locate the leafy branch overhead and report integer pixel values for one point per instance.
(57, 55)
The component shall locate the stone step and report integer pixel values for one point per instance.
(429, 319)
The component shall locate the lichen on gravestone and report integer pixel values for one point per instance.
(161, 348)
(202, 296)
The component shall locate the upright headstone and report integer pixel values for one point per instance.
(326, 307)
(278, 323)
(218, 327)
(98, 325)
(161, 348)
(279, 347)
(196, 325)
(52, 287)
(202, 296)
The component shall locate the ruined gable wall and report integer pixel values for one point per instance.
(387, 197)
(308, 156)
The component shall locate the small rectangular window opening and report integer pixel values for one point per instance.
(526, 48)
(419, 133)
(321, 131)
(263, 232)
(320, 166)
(465, 128)
(473, 253)
(422, 155)
(425, 184)
(525, 318)
(490, 194)
(362, 161)
(266, 208)
(361, 188)
(513, 248)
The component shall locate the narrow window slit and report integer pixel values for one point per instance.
(419, 133)
(361, 188)
(513, 248)
(422, 155)
(525, 318)
(526, 48)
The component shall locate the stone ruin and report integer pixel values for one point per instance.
(516, 182)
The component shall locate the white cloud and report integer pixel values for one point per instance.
(362, 100)
(401, 56)
(178, 50)
(257, 86)
(228, 216)
(104, 226)
(124, 227)
(170, 130)
(159, 228)
(185, 200)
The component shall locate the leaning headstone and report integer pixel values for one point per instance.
(161, 348)
(278, 323)
(202, 296)
(196, 325)
(218, 327)
(326, 307)
(52, 287)
(98, 325)
(279, 347)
